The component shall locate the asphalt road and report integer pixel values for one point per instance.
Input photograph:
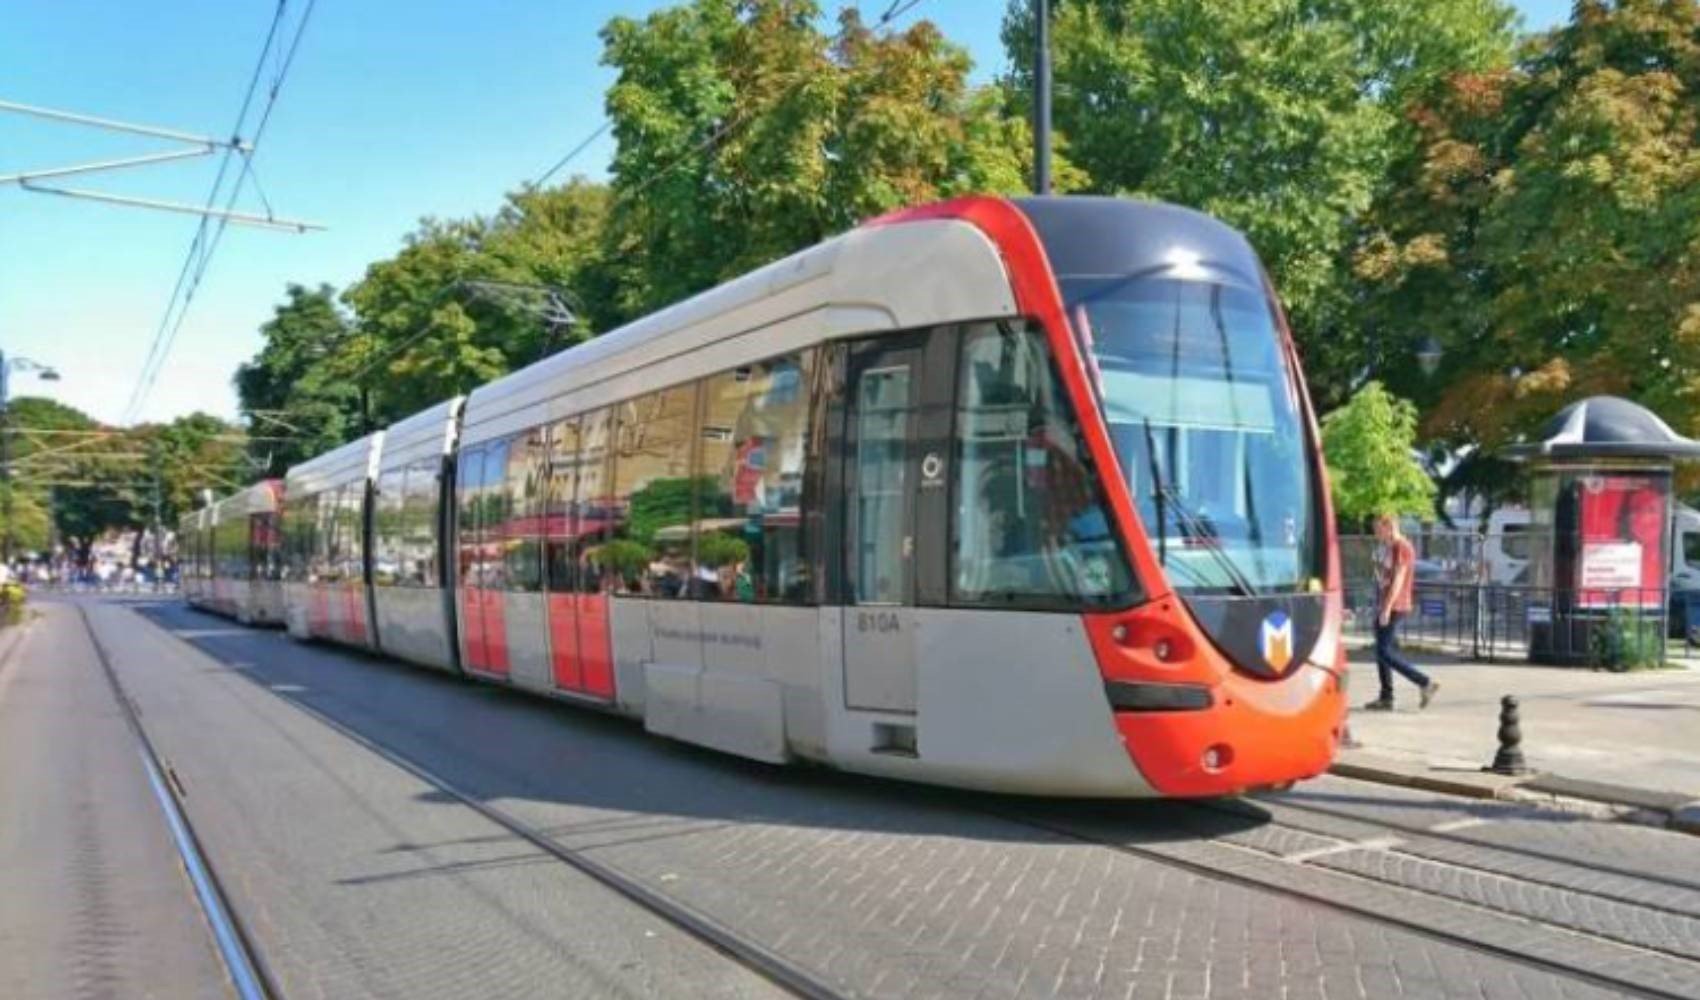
(93, 901)
(316, 780)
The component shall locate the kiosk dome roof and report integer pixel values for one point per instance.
(1606, 427)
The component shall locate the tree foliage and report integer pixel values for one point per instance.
(745, 133)
(1278, 116)
(431, 322)
(1545, 227)
(87, 480)
(290, 397)
(1372, 468)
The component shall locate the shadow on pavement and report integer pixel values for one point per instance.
(499, 745)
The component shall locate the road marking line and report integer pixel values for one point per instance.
(1371, 844)
(1459, 824)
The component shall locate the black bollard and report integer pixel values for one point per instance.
(1509, 759)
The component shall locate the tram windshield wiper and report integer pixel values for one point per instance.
(1192, 525)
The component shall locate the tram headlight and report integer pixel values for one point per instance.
(1164, 650)
(1217, 757)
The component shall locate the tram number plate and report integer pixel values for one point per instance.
(882, 622)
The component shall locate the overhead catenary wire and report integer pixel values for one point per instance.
(207, 236)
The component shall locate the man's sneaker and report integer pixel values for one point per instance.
(1429, 692)
(1379, 705)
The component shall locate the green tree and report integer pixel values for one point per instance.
(30, 525)
(1278, 116)
(1372, 468)
(435, 320)
(1546, 228)
(80, 472)
(288, 394)
(746, 133)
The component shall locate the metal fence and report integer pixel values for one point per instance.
(1482, 596)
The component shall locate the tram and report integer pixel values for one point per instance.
(232, 555)
(1018, 495)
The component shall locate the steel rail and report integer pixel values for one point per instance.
(750, 954)
(1373, 914)
(248, 971)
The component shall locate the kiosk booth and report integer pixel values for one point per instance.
(1600, 505)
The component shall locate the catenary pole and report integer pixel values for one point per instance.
(1042, 97)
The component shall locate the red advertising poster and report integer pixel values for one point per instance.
(1623, 535)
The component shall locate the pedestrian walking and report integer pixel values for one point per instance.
(1395, 573)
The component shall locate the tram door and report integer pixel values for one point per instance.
(887, 464)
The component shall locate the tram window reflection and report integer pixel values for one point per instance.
(1029, 526)
(657, 492)
(748, 524)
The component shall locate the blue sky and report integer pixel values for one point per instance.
(393, 110)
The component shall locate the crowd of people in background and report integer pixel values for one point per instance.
(97, 575)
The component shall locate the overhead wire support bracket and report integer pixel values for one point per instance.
(24, 177)
(201, 146)
(118, 126)
(244, 218)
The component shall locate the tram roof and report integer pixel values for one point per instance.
(868, 280)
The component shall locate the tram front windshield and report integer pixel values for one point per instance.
(1204, 412)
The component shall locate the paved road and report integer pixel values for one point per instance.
(361, 879)
(93, 901)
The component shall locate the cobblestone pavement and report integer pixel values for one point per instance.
(1338, 889)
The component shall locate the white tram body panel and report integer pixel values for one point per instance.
(231, 561)
(325, 518)
(770, 682)
(191, 537)
(412, 606)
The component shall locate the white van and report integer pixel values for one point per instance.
(1508, 547)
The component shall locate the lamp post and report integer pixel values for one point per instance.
(1042, 97)
(8, 365)
(1429, 353)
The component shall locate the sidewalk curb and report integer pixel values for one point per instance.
(1412, 779)
(1612, 802)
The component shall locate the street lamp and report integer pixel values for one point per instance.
(47, 373)
(1428, 355)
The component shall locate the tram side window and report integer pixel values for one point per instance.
(294, 537)
(468, 479)
(330, 515)
(387, 526)
(266, 546)
(350, 530)
(657, 492)
(522, 544)
(749, 524)
(560, 525)
(419, 525)
(493, 516)
(1030, 528)
(594, 509)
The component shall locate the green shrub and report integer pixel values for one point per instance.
(1627, 640)
(12, 598)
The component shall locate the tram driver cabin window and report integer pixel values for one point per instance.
(1030, 528)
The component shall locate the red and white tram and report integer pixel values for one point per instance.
(232, 557)
(1015, 495)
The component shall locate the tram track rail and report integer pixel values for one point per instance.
(1456, 837)
(790, 976)
(1239, 864)
(250, 976)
